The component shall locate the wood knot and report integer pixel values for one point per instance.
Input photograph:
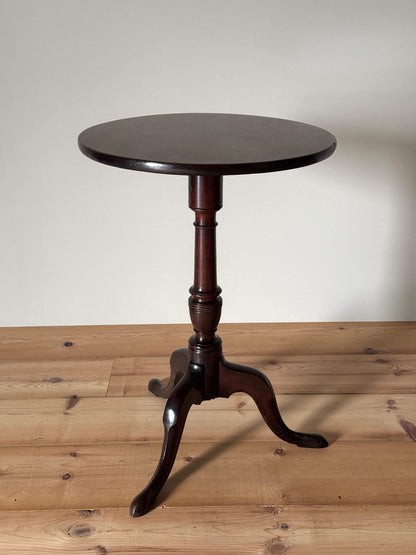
(188, 459)
(409, 428)
(279, 452)
(274, 547)
(68, 344)
(270, 509)
(371, 351)
(72, 401)
(80, 531)
(241, 405)
(66, 476)
(85, 513)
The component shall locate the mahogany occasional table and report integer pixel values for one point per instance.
(205, 147)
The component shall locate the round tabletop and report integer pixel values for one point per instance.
(206, 144)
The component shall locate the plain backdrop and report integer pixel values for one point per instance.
(84, 243)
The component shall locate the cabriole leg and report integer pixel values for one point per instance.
(234, 378)
(186, 393)
(179, 362)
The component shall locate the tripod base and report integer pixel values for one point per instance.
(186, 386)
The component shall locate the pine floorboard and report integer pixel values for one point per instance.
(80, 435)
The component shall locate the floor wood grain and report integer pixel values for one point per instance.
(80, 435)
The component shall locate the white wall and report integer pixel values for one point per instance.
(83, 243)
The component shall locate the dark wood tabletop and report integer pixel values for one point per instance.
(206, 144)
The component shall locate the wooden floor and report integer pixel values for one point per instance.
(80, 435)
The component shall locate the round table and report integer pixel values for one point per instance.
(205, 147)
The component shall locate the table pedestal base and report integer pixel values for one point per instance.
(186, 386)
(200, 372)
